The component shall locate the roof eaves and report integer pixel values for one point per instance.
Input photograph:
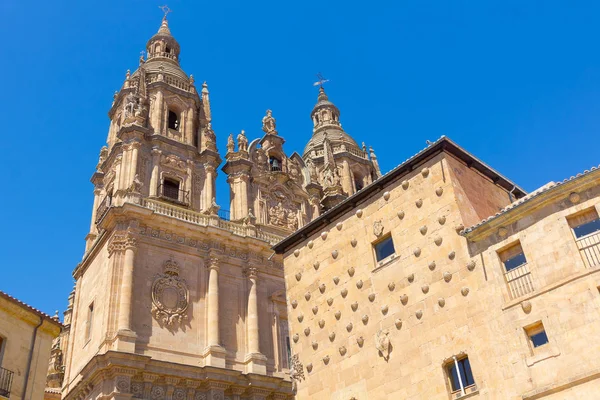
(30, 308)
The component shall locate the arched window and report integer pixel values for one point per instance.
(275, 163)
(358, 183)
(173, 120)
(168, 50)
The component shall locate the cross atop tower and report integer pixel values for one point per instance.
(321, 80)
(166, 10)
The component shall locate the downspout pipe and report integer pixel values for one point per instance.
(30, 357)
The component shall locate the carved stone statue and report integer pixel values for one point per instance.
(242, 141)
(277, 215)
(209, 133)
(131, 103)
(136, 185)
(268, 123)
(214, 208)
(230, 144)
(312, 170)
(331, 177)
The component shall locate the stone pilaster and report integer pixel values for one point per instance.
(255, 361)
(214, 353)
(155, 171)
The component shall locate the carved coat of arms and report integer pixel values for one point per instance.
(170, 295)
(378, 228)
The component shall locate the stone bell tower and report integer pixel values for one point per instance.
(336, 164)
(171, 301)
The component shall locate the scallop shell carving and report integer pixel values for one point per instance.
(431, 265)
(307, 296)
(307, 331)
(471, 265)
(322, 288)
(459, 228)
(442, 220)
(425, 172)
(316, 265)
(447, 276)
(391, 286)
(404, 299)
(386, 196)
(315, 345)
(359, 284)
(336, 279)
(354, 306)
(349, 327)
(398, 323)
(401, 214)
(411, 278)
(353, 242)
(334, 254)
(574, 197)
(438, 240)
(339, 226)
(360, 341)
(326, 360)
(359, 213)
(296, 253)
(337, 315)
(351, 271)
(315, 310)
(342, 350)
(439, 191)
(417, 252)
(324, 235)
(310, 244)
(419, 314)
(321, 323)
(330, 301)
(405, 185)
(365, 319)
(384, 309)
(298, 276)
(309, 367)
(464, 291)
(294, 304)
(344, 292)
(526, 306)
(425, 288)
(423, 230)
(295, 338)
(300, 317)
(451, 255)
(441, 302)
(419, 203)
(332, 336)
(372, 297)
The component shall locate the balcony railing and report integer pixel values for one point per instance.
(103, 208)
(6, 378)
(519, 281)
(174, 194)
(589, 248)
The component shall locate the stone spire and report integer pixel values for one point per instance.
(375, 162)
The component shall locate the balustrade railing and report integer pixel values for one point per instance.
(6, 378)
(103, 208)
(173, 193)
(225, 214)
(519, 281)
(589, 248)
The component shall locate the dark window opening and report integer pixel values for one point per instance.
(515, 262)
(464, 370)
(275, 164)
(289, 350)
(384, 248)
(171, 189)
(539, 339)
(359, 184)
(168, 49)
(173, 120)
(587, 228)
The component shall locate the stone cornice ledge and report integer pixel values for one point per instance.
(562, 385)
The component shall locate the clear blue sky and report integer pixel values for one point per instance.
(517, 83)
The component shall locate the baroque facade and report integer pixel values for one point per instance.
(175, 298)
(410, 290)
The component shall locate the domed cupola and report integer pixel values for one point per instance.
(163, 44)
(324, 113)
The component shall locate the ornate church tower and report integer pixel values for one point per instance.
(172, 301)
(334, 160)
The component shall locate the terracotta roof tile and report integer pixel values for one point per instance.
(30, 308)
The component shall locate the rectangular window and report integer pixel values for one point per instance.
(171, 189)
(460, 374)
(585, 223)
(384, 248)
(88, 322)
(513, 257)
(537, 335)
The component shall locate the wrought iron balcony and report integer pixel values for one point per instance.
(174, 194)
(6, 378)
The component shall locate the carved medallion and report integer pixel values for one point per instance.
(170, 295)
(378, 228)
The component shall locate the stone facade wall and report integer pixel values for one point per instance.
(438, 298)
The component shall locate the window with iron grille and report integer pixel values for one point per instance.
(171, 189)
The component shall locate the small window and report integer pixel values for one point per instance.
(460, 374)
(536, 334)
(173, 120)
(89, 322)
(358, 183)
(275, 163)
(585, 223)
(171, 189)
(384, 248)
(513, 257)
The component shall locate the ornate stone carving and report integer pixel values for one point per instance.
(382, 343)
(179, 394)
(242, 141)
(281, 210)
(122, 383)
(157, 393)
(174, 162)
(296, 372)
(121, 242)
(200, 396)
(170, 295)
(378, 228)
(268, 123)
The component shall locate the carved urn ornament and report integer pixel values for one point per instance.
(170, 295)
(378, 228)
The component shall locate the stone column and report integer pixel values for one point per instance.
(155, 166)
(209, 186)
(135, 146)
(214, 353)
(189, 126)
(347, 184)
(97, 193)
(157, 117)
(256, 362)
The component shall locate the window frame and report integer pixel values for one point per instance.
(89, 321)
(503, 258)
(571, 220)
(176, 123)
(379, 241)
(535, 329)
(450, 364)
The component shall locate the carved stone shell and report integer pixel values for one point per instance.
(326, 360)
(349, 326)
(464, 291)
(354, 306)
(332, 336)
(401, 214)
(309, 367)
(342, 350)
(441, 302)
(411, 278)
(360, 341)
(451, 255)
(323, 235)
(419, 314)
(359, 213)
(295, 337)
(315, 345)
(339, 226)
(315, 310)
(398, 323)
(310, 244)
(351, 271)
(298, 276)
(338, 315)
(425, 288)
(353, 242)
(365, 319)
(322, 288)
(307, 296)
(439, 191)
(300, 317)
(336, 279)
(438, 240)
(294, 304)
(386, 196)
(316, 265)
(442, 220)
(526, 306)
(359, 284)
(321, 323)
(372, 297)
(419, 203)
(417, 252)
(431, 265)
(335, 254)
(471, 265)
(405, 185)
(447, 276)
(384, 309)
(423, 230)
(330, 301)
(344, 292)
(404, 299)
(391, 286)
(296, 253)
(425, 172)
(307, 331)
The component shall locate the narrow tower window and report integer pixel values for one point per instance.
(173, 120)
(275, 164)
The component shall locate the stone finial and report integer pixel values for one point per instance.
(230, 144)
